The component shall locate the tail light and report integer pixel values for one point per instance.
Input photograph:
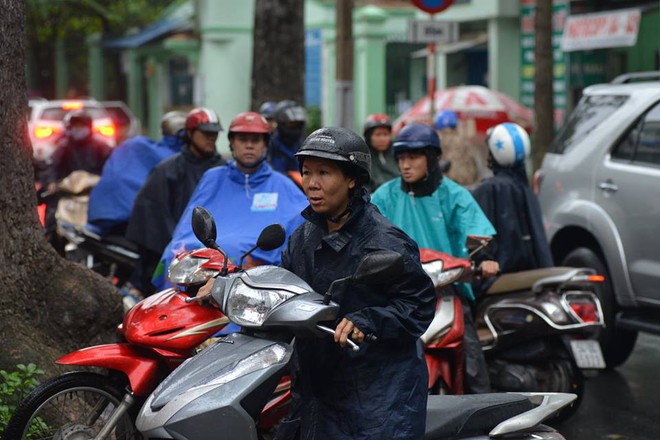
(72, 105)
(107, 130)
(586, 311)
(43, 132)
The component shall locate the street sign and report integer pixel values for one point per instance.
(432, 6)
(429, 31)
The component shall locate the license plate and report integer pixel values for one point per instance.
(587, 353)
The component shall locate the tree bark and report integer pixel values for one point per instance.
(49, 306)
(543, 79)
(278, 55)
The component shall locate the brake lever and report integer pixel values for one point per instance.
(332, 332)
(195, 299)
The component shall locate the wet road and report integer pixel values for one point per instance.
(622, 404)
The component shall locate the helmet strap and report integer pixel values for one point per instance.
(336, 219)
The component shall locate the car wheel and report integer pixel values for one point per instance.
(617, 344)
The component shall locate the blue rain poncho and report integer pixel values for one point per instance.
(242, 205)
(111, 201)
(441, 221)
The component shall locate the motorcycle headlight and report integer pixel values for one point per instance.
(188, 270)
(434, 270)
(272, 355)
(248, 306)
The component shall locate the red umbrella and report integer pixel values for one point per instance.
(479, 104)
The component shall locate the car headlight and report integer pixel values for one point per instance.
(434, 270)
(188, 270)
(248, 306)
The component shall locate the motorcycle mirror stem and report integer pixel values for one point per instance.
(271, 238)
(204, 229)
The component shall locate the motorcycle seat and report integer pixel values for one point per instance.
(468, 415)
(525, 280)
(116, 240)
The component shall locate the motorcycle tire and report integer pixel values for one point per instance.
(562, 376)
(72, 406)
(617, 344)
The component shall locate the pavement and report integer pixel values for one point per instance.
(623, 403)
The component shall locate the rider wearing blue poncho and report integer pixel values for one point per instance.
(129, 165)
(244, 196)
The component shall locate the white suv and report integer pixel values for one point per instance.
(599, 187)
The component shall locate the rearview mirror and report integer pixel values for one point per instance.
(475, 242)
(203, 227)
(379, 267)
(271, 237)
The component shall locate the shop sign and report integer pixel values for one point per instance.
(601, 30)
(560, 11)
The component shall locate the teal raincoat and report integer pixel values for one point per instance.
(441, 221)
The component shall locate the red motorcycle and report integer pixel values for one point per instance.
(443, 340)
(158, 334)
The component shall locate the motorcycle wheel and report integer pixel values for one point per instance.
(74, 406)
(617, 344)
(561, 376)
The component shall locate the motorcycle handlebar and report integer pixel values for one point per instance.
(330, 331)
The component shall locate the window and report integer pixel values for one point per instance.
(626, 148)
(648, 147)
(590, 112)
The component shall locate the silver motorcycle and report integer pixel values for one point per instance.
(220, 392)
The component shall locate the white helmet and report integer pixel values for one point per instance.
(509, 144)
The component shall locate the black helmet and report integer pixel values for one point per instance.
(341, 145)
(290, 111)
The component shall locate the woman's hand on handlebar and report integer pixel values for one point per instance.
(489, 268)
(204, 292)
(346, 329)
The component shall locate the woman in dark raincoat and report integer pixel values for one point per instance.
(379, 392)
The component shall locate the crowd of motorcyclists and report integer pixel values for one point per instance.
(338, 196)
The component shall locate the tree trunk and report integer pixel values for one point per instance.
(49, 306)
(543, 78)
(278, 55)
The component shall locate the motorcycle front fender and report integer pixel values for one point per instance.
(141, 366)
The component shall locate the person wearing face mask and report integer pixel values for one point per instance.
(377, 132)
(244, 196)
(163, 197)
(438, 214)
(77, 150)
(287, 138)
